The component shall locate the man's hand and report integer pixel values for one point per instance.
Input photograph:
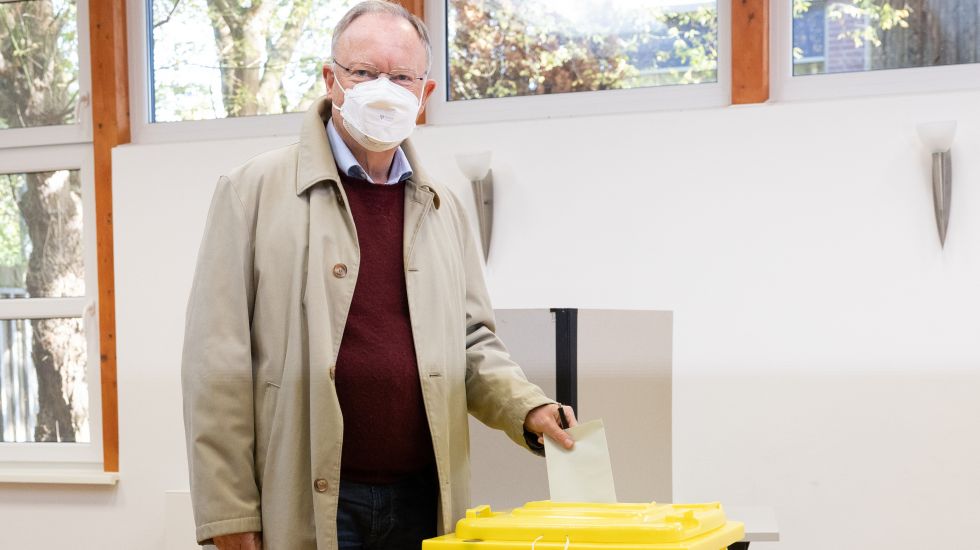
(544, 420)
(239, 541)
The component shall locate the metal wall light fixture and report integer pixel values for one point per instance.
(938, 138)
(476, 168)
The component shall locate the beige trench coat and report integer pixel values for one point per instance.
(275, 276)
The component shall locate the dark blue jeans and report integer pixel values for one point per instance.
(389, 517)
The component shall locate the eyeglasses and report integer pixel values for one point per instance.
(363, 72)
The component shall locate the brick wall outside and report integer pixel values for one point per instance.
(841, 54)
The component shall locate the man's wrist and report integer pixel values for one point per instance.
(531, 439)
(239, 541)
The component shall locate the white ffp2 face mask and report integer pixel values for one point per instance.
(379, 115)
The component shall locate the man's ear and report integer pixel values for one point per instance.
(430, 86)
(328, 78)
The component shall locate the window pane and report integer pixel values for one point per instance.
(43, 390)
(865, 35)
(238, 58)
(38, 63)
(501, 48)
(41, 235)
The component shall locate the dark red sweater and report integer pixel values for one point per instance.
(386, 434)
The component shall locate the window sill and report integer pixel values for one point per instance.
(63, 477)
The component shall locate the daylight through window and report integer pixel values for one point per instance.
(503, 48)
(213, 59)
(43, 384)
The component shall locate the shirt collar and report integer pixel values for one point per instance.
(400, 171)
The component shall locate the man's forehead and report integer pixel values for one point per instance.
(381, 38)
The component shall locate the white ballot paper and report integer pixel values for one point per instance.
(583, 474)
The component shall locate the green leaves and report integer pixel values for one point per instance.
(874, 15)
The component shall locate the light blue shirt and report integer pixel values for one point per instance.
(400, 171)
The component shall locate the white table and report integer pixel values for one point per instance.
(760, 524)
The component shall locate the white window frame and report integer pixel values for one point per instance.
(144, 131)
(660, 98)
(786, 87)
(62, 462)
(81, 130)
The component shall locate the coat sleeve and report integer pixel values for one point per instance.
(497, 391)
(216, 374)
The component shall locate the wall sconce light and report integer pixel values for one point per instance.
(476, 168)
(938, 138)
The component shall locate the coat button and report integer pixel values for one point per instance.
(321, 485)
(333, 373)
(340, 271)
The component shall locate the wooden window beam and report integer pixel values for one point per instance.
(750, 51)
(416, 8)
(110, 127)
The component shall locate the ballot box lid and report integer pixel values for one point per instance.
(614, 526)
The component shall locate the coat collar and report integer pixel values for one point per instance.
(316, 160)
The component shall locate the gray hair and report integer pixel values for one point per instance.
(389, 8)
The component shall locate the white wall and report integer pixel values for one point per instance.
(825, 354)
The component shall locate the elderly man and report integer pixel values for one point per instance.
(339, 327)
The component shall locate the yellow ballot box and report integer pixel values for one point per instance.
(595, 526)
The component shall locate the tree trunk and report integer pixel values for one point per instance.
(240, 35)
(51, 207)
(939, 33)
(269, 92)
(35, 88)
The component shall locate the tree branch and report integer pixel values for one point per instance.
(169, 15)
(282, 51)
